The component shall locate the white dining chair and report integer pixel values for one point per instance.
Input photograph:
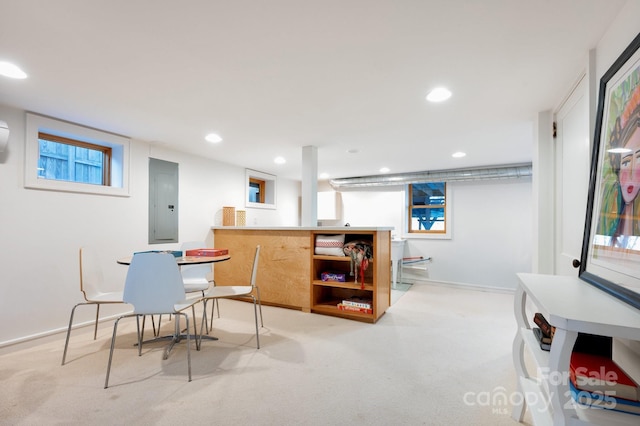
(225, 292)
(154, 287)
(92, 288)
(196, 278)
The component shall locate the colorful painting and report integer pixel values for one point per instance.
(611, 245)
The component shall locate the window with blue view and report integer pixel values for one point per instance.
(72, 160)
(427, 204)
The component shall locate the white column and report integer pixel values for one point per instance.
(309, 186)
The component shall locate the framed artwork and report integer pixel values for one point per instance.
(610, 257)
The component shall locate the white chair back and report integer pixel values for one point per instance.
(153, 284)
(91, 279)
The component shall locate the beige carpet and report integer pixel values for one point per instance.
(439, 356)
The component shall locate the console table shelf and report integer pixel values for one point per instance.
(572, 306)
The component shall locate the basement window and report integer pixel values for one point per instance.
(73, 160)
(427, 209)
(260, 190)
(62, 156)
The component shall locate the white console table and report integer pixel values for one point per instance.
(572, 306)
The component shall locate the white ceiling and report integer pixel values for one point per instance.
(273, 76)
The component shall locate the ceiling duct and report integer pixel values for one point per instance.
(453, 175)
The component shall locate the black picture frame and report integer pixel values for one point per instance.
(610, 258)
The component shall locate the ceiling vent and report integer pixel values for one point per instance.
(453, 175)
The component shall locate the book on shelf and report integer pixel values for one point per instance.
(358, 302)
(543, 341)
(350, 308)
(547, 329)
(542, 338)
(604, 401)
(600, 374)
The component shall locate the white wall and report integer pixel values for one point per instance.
(491, 230)
(41, 231)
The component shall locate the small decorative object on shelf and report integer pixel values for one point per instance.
(241, 218)
(228, 216)
(333, 276)
(360, 253)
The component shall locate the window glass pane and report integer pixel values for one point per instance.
(88, 165)
(427, 219)
(254, 192)
(60, 161)
(427, 194)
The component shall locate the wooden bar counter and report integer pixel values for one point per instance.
(289, 271)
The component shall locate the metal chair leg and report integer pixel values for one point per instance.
(113, 343)
(186, 318)
(66, 343)
(95, 327)
(255, 315)
(260, 305)
(140, 335)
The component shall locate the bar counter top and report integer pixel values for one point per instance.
(343, 229)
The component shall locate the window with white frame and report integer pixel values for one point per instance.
(427, 208)
(260, 190)
(63, 156)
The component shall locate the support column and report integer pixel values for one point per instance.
(309, 186)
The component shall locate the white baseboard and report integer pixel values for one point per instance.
(53, 332)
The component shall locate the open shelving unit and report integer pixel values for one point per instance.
(572, 306)
(326, 295)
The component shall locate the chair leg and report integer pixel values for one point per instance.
(153, 324)
(113, 343)
(204, 314)
(202, 323)
(159, 324)
(140, 335)
(186, 318)
(66, 343)
(195, 331)
(255, 315)
(260, 305)
(95, 327)
(215, 305)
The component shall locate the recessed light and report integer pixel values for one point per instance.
(384, 170)
(213, 138)
(279, 160)
(439, 94)
(324, 175)
(10, 70)
(458, 154)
